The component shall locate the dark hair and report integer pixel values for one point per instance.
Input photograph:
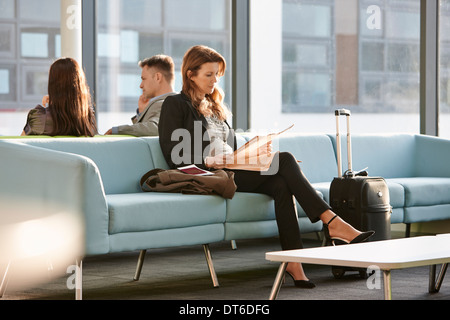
(193, 60)
(70, 100)
(163, 63)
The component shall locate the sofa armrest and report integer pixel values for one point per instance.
(432, 156)
(50, 178)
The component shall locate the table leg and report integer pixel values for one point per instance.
(79, 280)
(441, 276)
(435, 284)
(278, 281)
(5, 280)
(387, 285)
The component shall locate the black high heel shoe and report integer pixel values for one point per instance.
(334, 241)
(304, 284)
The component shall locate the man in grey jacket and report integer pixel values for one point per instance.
(158, 79)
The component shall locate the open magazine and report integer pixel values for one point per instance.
(248, 156)
(194, 170)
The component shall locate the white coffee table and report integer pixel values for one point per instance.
(386, 255)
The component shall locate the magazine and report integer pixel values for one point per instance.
(194, 170)
(248, 156)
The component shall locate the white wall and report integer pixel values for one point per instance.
(265, 64)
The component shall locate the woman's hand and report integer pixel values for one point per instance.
(45, 100)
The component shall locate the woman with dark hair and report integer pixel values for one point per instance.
(199, 116)
(70, 111)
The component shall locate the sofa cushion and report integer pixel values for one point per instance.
(396, 193)
(246, 207)
(316, 153)
(141, 212)
(167, 238)
(397, 200)
(121, 161)
(427, 213)
(157, 155)
(431, 157)
(387, 156)
(421, 191)
(323, 188)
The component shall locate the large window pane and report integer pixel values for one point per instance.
(7, 9)
(29, 42)
(47, 11)
(147, 13)
(363, 55)
(130, 31)
(197, 15)
(312, 20)
(444, 116)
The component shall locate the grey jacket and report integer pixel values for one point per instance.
(145, 124)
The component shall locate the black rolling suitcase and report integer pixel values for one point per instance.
(358, 199)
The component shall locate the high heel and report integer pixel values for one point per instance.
(304, 284)
(335, 240)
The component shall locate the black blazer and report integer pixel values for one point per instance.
(183, 134)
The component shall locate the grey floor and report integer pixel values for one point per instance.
(244, 275)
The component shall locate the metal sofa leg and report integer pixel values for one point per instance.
(210, 265)
(140, 263)
(233, 245)
(5, 280)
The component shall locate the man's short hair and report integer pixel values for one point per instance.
(163, 63)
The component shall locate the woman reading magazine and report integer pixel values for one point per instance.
(193, 129)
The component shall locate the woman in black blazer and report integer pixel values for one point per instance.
(193, 129)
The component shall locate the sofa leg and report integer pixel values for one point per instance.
(5, 280)
(210, 265)
(140, 263)
(324, 240)
(233, 245)
(408, 230)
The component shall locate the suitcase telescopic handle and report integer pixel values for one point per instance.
(343, 112)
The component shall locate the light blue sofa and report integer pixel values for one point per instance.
(99, 177)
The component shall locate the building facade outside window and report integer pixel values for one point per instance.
(444, 116)
(128, 31)
(363, 55)
(307, 58)
(29, 42)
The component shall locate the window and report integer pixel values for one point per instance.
(308, 64)
(29, 42)
(129, 31)
(444, 116)
(363, 55)
(389, 58)
(307, 58)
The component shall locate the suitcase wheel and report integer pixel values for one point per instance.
(363, 274)
(338, 273)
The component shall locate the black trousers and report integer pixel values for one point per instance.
(286, 183)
